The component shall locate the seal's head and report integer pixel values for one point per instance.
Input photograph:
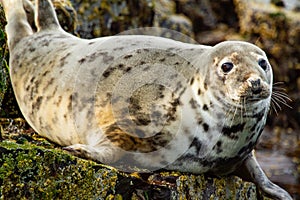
(241, 72)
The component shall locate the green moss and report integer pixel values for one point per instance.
(278, 15)
(32, 172)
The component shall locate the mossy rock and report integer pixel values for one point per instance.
(101, 18)
(34, 168)
(33, 172)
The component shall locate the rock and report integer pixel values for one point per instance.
(167, 18)
(101, 18)
(8, 104)
(66, 14)
(208, 15)
(33, 168)
(114, 17)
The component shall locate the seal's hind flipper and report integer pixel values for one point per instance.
(29, 10)
(46, 18)
(17, 24)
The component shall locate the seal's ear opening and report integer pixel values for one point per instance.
(46, 18)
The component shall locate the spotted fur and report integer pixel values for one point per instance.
(185, 107)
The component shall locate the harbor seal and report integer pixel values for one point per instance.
(142, 101)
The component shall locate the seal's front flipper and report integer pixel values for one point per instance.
(251, 171)
(105, 155)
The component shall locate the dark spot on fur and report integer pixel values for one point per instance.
(205, 86)
(106, 73)
(205, 127)
(45, 73)
(82, 60)
(171, 54)
(131, 143)
(205, 107)
(193, 103)
(27, 88)
(247, 148)
(144, 121)
(128, 56)
(176, 102)
(231, 131)
(32, 49)
(59, 100)
(63, 59)
(199, 91)
(192, 81)
(128, 69)
(38, 103)
(32, 79)
(197, 144)
(217, 147)
(50, 82)
(250, 137)
(259, 115)
(162, 59)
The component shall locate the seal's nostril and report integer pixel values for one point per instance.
(255, 86)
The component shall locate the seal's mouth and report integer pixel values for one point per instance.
(254, 90)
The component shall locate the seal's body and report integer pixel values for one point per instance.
(143, 101)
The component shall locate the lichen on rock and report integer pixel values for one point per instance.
(33, 168)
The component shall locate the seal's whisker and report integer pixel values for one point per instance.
(281, 95)
(281, 100)
(278, 88)
(227, 116)
(234, 114)
(244, 108)
(273, 106)
(278, 83)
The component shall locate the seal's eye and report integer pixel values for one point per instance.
(263, 64)
(227, 67)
